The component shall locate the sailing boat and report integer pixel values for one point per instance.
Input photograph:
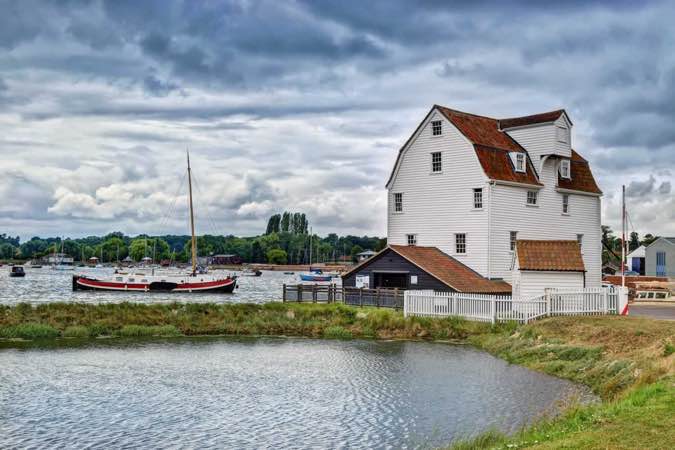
(145, 281)
(315, 275)
(58, 260)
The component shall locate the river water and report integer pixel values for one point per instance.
(46, 285)
(264, 393)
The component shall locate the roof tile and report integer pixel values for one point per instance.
(581, 177)
(550, 116)
(550, 255)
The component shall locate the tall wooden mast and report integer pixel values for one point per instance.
(192, 219)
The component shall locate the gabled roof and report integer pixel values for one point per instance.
(564, 256)
(637, 253)
(546, 117)
(480, 130)
(444, 268)
(581, 177)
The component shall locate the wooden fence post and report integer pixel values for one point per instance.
(377, 297)
(298, 293)
(314, 293)
(604, 300)
(396, 298)
(494, 309)
(361, 297)
(547, 296)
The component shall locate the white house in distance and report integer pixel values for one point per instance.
(473, 186)
(660, 258)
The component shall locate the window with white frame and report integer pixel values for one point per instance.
(478, 198)
(460, 243)
(563, 134)
(411, 239)
(398, 202)
(513, 237)
(565, 168)
(532, 198)
(565, 203)
(436, 162)
(520, 162)
(436, 128)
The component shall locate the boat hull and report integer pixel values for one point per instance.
(315, 278)
(226, 285)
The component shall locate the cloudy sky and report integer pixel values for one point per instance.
(304, 105)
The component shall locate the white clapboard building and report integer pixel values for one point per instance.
(474, 186)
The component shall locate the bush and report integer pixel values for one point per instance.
(76, 331)
(668, 349)
(337, 332)
(29, 331)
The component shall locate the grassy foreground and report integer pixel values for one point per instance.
(629, 362)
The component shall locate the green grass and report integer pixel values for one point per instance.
(129, 320)
(28, 331)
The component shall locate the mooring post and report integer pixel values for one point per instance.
(298, 291)
(283, 297)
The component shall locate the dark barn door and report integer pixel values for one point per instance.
(391, 280)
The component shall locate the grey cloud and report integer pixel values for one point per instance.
(641, 188)
(664, 187)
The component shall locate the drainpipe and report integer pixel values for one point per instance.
(489, 243)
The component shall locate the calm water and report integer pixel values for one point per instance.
(263, 393)
(47, 285)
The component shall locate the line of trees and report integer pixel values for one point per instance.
(286, 241)
(611, 249)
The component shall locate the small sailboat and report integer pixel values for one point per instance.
(58, 260)
(314, 275)
(145, 279)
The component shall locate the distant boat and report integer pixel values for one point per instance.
(251, 273)
(145, 280)
(289, 273)
(58, 262)
(316, 276)
(16, 272)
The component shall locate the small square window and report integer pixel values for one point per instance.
(563, 135)
(565, 168)
(436, 162)
(436, 128)
(520, 162)
(566, 204)
(532, 198)
(460, 243)
(513, 237)
(478, 198)
(398, 202)
(580, 239)
(411, 239)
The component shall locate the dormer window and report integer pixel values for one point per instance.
(520, 162)
(565, 168)
(436, 128)
(563, 134)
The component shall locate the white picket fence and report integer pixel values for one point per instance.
(500, 308)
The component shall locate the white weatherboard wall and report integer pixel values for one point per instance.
(541, 139)
(544, 222)
(534, 283)
(438, 205)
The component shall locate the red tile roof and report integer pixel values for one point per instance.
(450, 271)
(480, 130)
(497, 165)
(550, 116)
(550, 256)
(581, 177)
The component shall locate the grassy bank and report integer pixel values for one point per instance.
(628, 362)
(62, 320)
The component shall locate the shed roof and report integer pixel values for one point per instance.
(559, 256)
(444, 268)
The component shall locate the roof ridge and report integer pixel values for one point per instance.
(559, 110)
(456, 111)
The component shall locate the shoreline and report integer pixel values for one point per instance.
(628, 362)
